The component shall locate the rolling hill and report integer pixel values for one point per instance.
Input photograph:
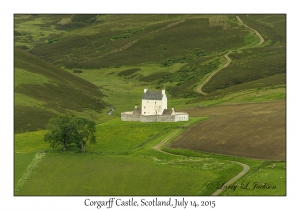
(43, 90)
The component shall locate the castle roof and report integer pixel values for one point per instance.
(150, 95)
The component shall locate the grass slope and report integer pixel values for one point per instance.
(21, 161)
(116, 175)
(262, 62)
(43, 90)
(267, 179)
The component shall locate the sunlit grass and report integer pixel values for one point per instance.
(26, 77)
(30, 141)
(73, 174)
(269, 179)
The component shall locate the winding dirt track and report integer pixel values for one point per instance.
(245, 170)
(165, 140)
(257, 34)
(199, 89)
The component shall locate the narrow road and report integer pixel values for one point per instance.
(165, 140)
(257, 34)
(199, 89)
(245, 170)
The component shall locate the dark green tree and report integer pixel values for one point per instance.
(65, 130)
(85, 132)
(60, 132)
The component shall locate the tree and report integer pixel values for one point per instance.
(85, 132)
(65, 130)
(60, 132)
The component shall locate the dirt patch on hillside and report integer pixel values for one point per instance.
(247, 130)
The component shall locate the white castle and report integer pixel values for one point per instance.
(154, 109)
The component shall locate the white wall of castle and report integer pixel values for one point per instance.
(164, 101)
(154, 107)
(151, 107)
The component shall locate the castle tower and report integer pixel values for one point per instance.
(154, 103)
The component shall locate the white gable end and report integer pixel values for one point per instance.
(154, 103)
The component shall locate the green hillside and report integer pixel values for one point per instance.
(254, 64)
(182, 51)
(43, 90)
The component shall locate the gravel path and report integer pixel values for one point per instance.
(165, 140)
(199, 89)
(245, 170)
(257, 34)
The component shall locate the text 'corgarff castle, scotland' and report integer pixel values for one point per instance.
(154, 109)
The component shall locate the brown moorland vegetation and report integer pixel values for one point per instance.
(256, 130)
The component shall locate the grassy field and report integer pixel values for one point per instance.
(118, 175)
(265, 178)
(139, 165)
(151, 172)
(21, 162)
(30, 142)
(268, 179)
(83, 64)
(111, 138)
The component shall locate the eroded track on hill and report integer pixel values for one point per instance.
(199, 89)
(261, 40)
(257, 34)
(131, 43)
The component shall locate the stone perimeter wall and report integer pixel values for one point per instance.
(148, 118)
(130, 117)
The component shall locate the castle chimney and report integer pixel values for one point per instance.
(163, 91)
(173, 111)
(145, 90)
